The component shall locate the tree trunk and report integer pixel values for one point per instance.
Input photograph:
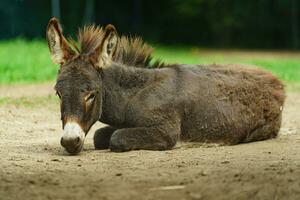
(55, 8)
(88, 16)
(295, 24)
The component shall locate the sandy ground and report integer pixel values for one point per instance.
(34, 166)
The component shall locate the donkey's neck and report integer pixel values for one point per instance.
(120, 85)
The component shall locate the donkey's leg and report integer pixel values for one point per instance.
(102, 137)
(148, 138)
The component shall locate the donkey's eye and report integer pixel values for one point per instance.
(90, 97)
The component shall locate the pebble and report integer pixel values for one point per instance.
(225, 162)
(203, 173)
(195, 196)
(56, 160)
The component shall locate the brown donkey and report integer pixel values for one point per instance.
(152, 106)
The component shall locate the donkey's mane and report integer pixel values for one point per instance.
(130, 51)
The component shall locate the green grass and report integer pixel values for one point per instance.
(24, 61)
(29, 101)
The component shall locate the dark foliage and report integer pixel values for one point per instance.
(216, 23)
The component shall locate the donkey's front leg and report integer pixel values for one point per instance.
(102, 137)
(148, 138)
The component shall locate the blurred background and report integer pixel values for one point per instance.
(261, 32)
(210, 23)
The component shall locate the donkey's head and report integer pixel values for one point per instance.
(79, 82)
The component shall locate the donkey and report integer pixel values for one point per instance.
(151, 106)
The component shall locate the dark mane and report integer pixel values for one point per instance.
(89, 38)
(135, 52)
(131, 51)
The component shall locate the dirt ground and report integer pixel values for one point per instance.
(34, 166)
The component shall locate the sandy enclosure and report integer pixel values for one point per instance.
(34, 166)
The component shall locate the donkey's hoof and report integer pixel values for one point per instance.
(118, 147)
(100, 142)
(100, 145)
(102, 137)
(117, 144)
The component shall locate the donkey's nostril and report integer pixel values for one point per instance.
(62, 141)
(77, 140)
(69, 143)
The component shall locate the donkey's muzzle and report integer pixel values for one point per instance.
(73, 138)
(72, 146)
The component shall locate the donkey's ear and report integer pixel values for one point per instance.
(107, 49)
(59, 48)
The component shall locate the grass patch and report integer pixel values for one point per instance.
(29, 102)
(286, 69)
(23, 61)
